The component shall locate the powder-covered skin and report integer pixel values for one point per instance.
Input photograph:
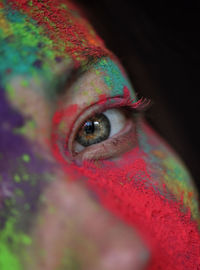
(135, 208)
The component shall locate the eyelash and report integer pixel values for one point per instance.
(138, 106)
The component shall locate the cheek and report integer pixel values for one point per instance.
(135, 187)
(165, 166)
(129, 191)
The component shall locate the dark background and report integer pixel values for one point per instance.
(160, 50)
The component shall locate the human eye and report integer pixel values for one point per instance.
(105, 131)
(98, 128)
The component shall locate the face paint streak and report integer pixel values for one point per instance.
(171, 234)
(20, 41)
(10, 243)
(174, 239)
(173, 174)
(181, 186)
(57, 127)
(23, 177)
(80, 42)
(113, 77)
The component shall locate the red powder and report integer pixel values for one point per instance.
(59, 116)
(65, 27)
(171, 234)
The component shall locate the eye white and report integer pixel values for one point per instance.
(117, 121)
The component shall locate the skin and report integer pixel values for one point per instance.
(95, 210)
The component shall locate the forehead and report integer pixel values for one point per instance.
(34, 36)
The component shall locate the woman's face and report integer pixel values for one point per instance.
(85, 182)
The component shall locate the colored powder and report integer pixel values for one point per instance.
(10, 243)
(19, 45)
(114, 77)
(174, 175)
(81, 42)
(170, 233)
(26, 158)
(23, 178)
(129, 192)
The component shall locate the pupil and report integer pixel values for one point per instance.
(89, 127)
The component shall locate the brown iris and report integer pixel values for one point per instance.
(94, 130)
